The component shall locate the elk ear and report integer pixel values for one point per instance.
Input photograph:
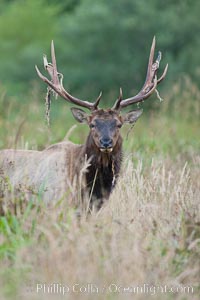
(79, 114)
(132, 116)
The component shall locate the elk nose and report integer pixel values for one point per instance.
(106, 143)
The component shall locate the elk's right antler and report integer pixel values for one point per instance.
(56, 83)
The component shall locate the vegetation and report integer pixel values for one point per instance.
(149, 231)
(98, 43)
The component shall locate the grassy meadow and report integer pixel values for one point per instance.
(144, 243)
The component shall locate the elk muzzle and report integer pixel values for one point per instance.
(106, 145)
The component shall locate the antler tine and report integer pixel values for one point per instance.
(151, 81)
(151, 56)
(163, 74)
(44, 78)
(53, 58)
(56, 83)
(116, 106)
(96, 103)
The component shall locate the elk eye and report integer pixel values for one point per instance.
(91, 125)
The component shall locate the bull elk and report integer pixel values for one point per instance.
(54, 170)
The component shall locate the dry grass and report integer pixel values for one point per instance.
(148, 233)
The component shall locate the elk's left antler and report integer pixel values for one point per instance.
(150, 84)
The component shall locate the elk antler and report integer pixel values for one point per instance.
(150, 84)
(56, 83)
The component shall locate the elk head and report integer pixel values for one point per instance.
(104, 124)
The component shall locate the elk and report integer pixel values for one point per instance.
(55, 169)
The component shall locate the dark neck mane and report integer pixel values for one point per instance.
(103, 170)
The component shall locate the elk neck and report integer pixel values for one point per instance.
(103, 170)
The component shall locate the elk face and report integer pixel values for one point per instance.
(105, 125)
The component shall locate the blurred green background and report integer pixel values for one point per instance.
(100, 45)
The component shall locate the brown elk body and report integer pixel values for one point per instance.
(91, 169)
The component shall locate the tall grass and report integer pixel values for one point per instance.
(148, 234)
